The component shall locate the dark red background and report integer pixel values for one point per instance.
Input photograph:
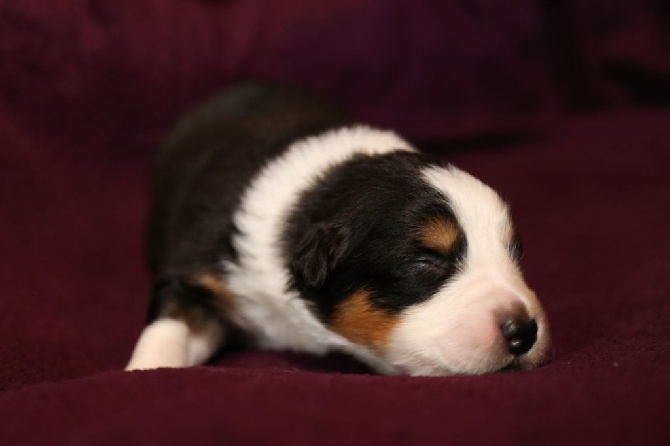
(563, 106)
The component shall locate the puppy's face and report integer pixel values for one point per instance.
(426, 274)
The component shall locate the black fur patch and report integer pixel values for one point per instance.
(207, 161)
(177, 299)
(356, 229)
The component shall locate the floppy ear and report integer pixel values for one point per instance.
(317, 254)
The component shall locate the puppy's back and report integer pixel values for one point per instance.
(206, 162)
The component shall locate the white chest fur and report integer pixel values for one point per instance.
(277, 317)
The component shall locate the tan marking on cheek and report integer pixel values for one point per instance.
(358, 320)
(439, 234)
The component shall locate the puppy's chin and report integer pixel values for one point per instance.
(424, 364)
(415, 365)
(460, 331)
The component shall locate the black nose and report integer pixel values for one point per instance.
(520, 334)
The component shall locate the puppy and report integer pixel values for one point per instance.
(275, 214)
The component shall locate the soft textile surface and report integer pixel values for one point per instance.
(548, 104)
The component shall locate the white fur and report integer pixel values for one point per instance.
(170, 343)
(277, 317)
(457, 329)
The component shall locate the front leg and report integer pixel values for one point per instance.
(185, 325)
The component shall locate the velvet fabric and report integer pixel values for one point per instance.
(562, 106)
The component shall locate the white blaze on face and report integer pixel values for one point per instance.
(458, 329)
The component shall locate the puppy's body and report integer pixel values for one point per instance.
(275, 214)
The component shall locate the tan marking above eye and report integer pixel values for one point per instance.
(439, 234)
(357, 319)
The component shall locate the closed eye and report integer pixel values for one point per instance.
(433, 267)
(431, 259)
(516, 250)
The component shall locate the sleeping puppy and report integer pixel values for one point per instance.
(275, 214)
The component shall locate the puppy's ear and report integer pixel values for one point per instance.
(317, 254)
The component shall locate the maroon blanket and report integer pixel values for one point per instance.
(564, 107)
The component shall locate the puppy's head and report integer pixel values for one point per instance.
(419, 263)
